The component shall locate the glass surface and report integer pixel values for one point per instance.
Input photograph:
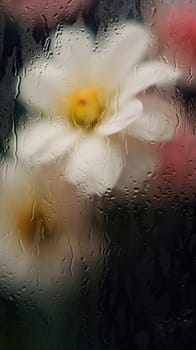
(98, 175)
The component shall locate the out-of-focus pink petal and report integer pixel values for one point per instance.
(176, 174)
(174, 34)
(49, 11)
(178, 29)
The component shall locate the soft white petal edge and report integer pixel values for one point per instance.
(141, 162)
(122, 118)
(153, 126)
(42, 84)
(12, 175)
(148, 74)
(48, 78)
(95, 164)
(74, 43)
(43, 142)
(119, 49)
(159, 122)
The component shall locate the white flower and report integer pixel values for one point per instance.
(90, 97)
(44, 231)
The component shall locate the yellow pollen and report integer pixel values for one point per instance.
(83, 108)
(31, 224)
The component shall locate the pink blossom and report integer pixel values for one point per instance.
(173, 25)
(177, 171)
(50, 11)
(178, 30)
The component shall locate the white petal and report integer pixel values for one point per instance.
(73, 48)
(48, 79)
(141, 162)
(153, 127)
(95, 164)
(120, 51)
(122, 117)
(148, 74)
(157, 123)
(43, 141)
(42, 84)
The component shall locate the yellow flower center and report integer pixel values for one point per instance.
(84, 108)
(31, 224)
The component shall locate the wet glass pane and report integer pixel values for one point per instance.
(98, 175)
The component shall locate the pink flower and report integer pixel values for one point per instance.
(51, 11)
(177, 171)
(178, 30)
